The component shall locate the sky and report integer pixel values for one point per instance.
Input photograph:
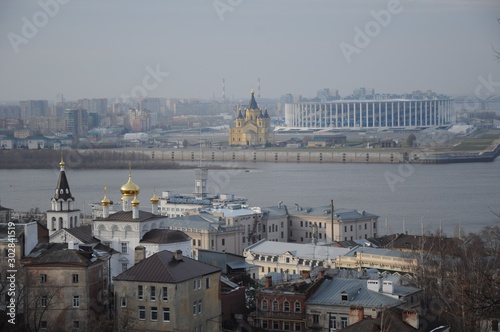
(184, 49)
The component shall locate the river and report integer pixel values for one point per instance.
(409, 197)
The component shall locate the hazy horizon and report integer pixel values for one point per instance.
(153, 48)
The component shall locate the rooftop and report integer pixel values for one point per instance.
(165, 236)
(307, 250)
(162, 267)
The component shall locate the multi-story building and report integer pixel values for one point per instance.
(381, 259)
(253, 128)
(340, 302)
(290, 258)
(33, 109)
(359, 114)
(308, 225)
(168, 292)
(63, 213)
(76, 121)
(96, 105)
(65, 287)
(282, 307)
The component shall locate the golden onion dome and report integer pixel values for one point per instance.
(105, 201)
(61, 163)
(135, 202)
(130, 188)
(154, 199)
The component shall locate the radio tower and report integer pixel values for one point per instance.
(258, 89)
(223, 89)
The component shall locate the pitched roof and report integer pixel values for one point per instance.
(83, 233)
(58, 254)
(127, 216)
(253, 104)
(300, 250)
(62, 189)
(162, 267)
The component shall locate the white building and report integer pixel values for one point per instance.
(368, 113)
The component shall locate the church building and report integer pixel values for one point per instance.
(251, 128)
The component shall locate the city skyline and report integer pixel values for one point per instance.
(184, 50)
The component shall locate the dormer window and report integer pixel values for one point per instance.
(344, 297)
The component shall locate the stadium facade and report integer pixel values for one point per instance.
(356, 114)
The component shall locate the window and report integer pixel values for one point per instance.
(76, 324)
(264, 324)
(344, 297)
(43, 324)
(140, 292)
(124, 247)
(343, 322)
(195, 304)
(123, 301)
(194, 242)
(286, 326)
(142, 312)
(320, 225)
(43, 278)
(301, 223)
(315, 319)
(298, 327)
(207, 283)
(75, 278)
(264, 305)
(124, 267)
(107, 244)
(76, 301)
(164, 294)
(152, 295)
(223, 242)
(297, 307)
(154, 313)
(366, 226)
(275, 305)
(286, 306)
(43, 301)
(166, 314)
(200, 306)
(197, 284)
(351, 228)
(276, 325)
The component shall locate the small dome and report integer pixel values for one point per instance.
(105, 201)
(154, 199)
(135, 202)
(130, 188)
(165, 236)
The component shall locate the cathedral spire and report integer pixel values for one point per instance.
(253, 103)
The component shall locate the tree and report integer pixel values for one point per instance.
(185, 143)
(410, 140)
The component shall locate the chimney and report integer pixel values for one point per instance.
(410, 317)
(178, 255)
(356, 314)
(305, 274)
(387, 287)
(373, 285)
(268, 281)
(140, 254)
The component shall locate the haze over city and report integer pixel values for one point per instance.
(95, 49)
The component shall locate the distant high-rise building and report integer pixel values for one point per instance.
(34, 108)
(76, 121)
(99, 106)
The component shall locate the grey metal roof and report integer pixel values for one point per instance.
(127, 216)
(380, 252)
(165, 236)
(301, 250)
(193, 221)
(162, 267)
(62, 189)
(82, 233)
(341, 213)
(241, 265)
(57, 254)
(330, 293)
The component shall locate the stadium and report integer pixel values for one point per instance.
(358, 114)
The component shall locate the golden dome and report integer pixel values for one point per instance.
(130, 188)
(135, 202)
(62, 164)
(154, 199)
(105, 201)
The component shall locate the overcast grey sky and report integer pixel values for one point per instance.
(96, 48)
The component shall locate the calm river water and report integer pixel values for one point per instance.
(454, 195)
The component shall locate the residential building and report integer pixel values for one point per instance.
(290, 258)
(233, 302)
(76, 122)
(282, 307)
(377, 258)
(65, 287)
(308, 225)
(34, 109)
(168, 292)
(253, 128)
(340, 302)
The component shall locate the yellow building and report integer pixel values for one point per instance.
(251, 128)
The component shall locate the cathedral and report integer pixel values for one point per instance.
(253, 128)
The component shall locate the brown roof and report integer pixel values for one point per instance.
(415, 242)
(83, 233)
(57, 254)
(162, 267)
(392, 318)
